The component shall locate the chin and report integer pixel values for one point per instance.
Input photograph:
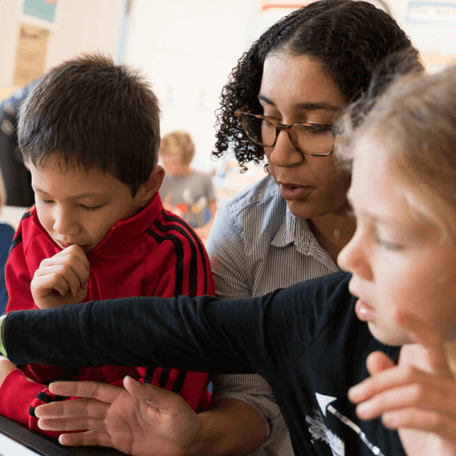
(394, 337)
(302, 209)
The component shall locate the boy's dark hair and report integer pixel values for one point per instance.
(93, 113)
(349, 38)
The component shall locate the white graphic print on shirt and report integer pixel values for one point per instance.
(319, 431)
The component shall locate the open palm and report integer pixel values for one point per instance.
(138, 419)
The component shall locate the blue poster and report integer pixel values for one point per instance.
(41, 9)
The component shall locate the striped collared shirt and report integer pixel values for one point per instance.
(257, 245)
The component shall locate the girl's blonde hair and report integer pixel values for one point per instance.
(179, 144)
(416, 120)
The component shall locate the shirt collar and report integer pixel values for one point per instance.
(126, 233)
(294, 230)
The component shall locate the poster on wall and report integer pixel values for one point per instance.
(41, 9)
(31, 53)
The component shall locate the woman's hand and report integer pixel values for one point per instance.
(417, 397)
(138, 419)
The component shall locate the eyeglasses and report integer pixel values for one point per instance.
(308, 138)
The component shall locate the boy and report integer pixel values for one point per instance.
(89, 133)
(185, 191)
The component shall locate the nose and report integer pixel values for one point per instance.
(354, 257)
(284, 153)
(65, 222)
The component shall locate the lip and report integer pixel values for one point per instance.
(291, 192)
(64, 245)
(364, 311)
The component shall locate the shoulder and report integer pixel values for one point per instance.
(29, 230)
(171, 227)
(6, 230)
(314, 302)
(198, 179)
(200, 175)
(254, 210)
(310, 310)
(263, 196)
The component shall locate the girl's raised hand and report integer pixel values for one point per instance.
(417, 397)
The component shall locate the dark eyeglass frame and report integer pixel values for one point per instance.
(241, 115)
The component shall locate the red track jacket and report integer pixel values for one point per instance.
(153, 253)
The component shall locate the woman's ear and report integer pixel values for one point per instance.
(153, 185)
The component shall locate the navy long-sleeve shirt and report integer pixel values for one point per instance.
(305, 340)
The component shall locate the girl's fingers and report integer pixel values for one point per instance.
(421, 420)
(397, 377)
(378, 362)
(425, 395)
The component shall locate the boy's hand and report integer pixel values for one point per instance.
(138, 419)
(6, 366)
(420, 402)
(61, 279)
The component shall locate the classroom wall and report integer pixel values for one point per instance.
(187, 48)
(78, 26)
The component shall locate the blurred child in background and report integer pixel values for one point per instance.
(185, 191)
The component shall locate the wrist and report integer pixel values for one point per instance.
(202, 441)
(231, 427)
(2, 345)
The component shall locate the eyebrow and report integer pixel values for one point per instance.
(377, 219)
(82, 195)
(306, 106)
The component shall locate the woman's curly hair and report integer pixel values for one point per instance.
(350, 38)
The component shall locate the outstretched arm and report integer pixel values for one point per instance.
(417, 397)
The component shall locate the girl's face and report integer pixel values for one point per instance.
(396, 255)
(298, 89)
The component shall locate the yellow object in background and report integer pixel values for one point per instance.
(31, 54)
(5, 92)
